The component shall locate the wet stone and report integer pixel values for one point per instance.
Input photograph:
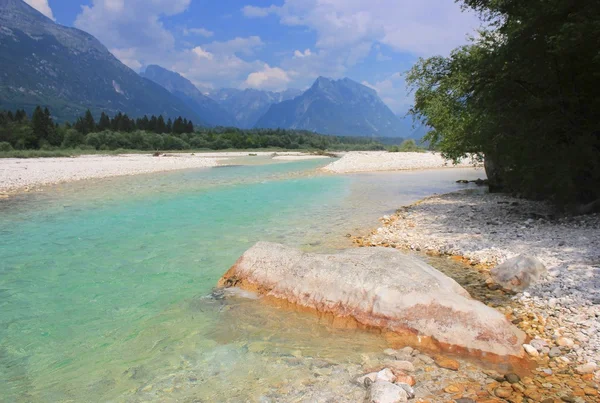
(512, 378)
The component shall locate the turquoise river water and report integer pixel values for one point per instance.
(105, 285)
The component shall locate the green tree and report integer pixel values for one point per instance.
(104, 122)
(72, 139)
(89, 122)
(524, 94)
(161, 127)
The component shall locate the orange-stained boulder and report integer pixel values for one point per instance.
(379, 287)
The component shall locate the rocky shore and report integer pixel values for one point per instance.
(560, 313)
(373, 161)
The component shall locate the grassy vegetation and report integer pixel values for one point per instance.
(407, 146)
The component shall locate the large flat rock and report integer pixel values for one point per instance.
(379, 287)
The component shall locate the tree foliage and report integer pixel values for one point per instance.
(524, 94)
(153, 133)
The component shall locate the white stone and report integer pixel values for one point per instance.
(385, 375)
(586, 368)
(531, 350)
(386, 392)
(380, 287)
(519, 272)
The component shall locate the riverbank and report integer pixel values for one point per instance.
(562, 313)
(374, 161)
(18, 175)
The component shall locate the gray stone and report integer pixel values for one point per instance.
(425, 359)
(408, 389)
(512, 378)
(538, 344)
(518, 273)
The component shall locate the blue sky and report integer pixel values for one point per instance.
(273, 45)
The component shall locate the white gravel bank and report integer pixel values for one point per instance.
(21, 174)
(369, 161)
(489, 228)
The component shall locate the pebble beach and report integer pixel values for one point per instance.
(560, 314)
(373, 161)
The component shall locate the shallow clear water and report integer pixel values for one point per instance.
(105, 285)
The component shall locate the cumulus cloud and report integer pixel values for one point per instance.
(135, 34)
(350, 31)
(392, 90)
(421, 27)
(203, 54)
(299, 54)
(268, 78)
(210, 69)
(42, 6)
(127, 57)
(131, 24)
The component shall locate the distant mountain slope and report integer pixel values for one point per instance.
(411, 130)
(70, 71)
(206, 108)
(341, 107)
(247, 106)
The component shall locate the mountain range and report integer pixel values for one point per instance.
(249, 105)
(43, 63)
(342, 107)
(70, 71)
(206, 108)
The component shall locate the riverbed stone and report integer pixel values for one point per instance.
(400, 365)
(386, 392)
(512, 378)
(503, 392)
(565, 342)
(380, 287)
(519, 272)
(555, 352)
(531, 350)
(447, 363)
(408, 389)
(586, 368)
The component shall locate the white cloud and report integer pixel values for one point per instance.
(133, 31)
(392, 90)
(268, 78)
(350, 31)
(245, 46)
(299, 54)
(198, 31)
(131, 24)
(254, 12)
(203, 54)
(423, 27)
(127, 57)
(42, 6)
